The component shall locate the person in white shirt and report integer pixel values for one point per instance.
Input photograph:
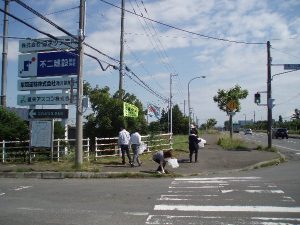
(135, 142)
(123, 142)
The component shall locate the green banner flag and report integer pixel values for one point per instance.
(130, 110)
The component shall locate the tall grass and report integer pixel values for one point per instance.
(231, 143)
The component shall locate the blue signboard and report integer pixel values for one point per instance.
(48, 64)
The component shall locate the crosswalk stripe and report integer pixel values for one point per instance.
(227, 208)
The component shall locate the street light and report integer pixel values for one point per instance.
(189, 103)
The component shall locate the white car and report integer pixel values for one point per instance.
(248, 131)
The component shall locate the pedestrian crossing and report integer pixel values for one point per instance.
(224, 200)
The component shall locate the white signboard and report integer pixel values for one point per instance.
(27, 65)
(45, 99)
(46, 84)
(47, 44)
(41, 133)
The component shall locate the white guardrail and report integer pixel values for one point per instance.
(20, 150)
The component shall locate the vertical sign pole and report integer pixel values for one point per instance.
(79, 110)
(269, 96)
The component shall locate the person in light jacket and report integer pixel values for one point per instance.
(123, 142)
(135, 142)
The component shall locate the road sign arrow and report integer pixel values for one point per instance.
(31, 114)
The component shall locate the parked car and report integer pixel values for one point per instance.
(248, 131)
(281, 133)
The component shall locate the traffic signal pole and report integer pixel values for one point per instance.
(269, 96)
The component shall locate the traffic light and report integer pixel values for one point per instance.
(257, 98)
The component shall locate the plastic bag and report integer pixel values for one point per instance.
(142, 148)
(201, 144)
(173, 163)
(202, 140)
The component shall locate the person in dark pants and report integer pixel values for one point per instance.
(123, 141)
(193, 145)
(161, 157)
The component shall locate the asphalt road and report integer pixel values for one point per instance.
(265, 196)
(290, 147)
(268, 196)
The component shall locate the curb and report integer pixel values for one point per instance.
(97, 175)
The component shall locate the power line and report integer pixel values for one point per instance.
(147, 87)
(185, 31)
(55, 38)
(60, 28)
(289, 54)
(47, 14)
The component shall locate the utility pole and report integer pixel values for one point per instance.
(79, 109)
(121, 69)
(171, 106)
(269, 96)
(4, 56)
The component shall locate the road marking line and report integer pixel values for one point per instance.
(136, 213)
(265, 191)
(296, 150)
(270, 218)
(228, 208)
(220, 178)
(202, 187)
(31, 209)
(2, 194)
(21, 188)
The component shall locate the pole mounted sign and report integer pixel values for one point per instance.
(48, 113)
(291, 66)
(48, 64)
(57, 83)
(231, 105)
(44, 99)
(47, 44)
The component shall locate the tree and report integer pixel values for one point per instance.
(296, 115)
(210, 123)
(180, 122)
(12, 127)
(107, 116)
(224, 97)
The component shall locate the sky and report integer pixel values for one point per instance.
(223, 40)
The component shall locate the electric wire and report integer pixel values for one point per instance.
(53, 37)
(184, 30)
(48, 14)
(289, 54)
(60, 28)
(158, 44)
(163, 50)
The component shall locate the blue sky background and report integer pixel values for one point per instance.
(153, 51)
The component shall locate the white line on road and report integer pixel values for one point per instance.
(221, 178)
(2, 194)
(265, 191)
(30, 209)
(228, 208)
(136, 213)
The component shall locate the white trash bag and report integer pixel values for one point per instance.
(142, 148)
(173, 162)
(202, 140)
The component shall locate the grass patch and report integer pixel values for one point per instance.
(180, 142)
(233, 143)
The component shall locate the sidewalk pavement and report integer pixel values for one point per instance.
(211, 159)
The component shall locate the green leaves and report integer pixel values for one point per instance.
(234, 94)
